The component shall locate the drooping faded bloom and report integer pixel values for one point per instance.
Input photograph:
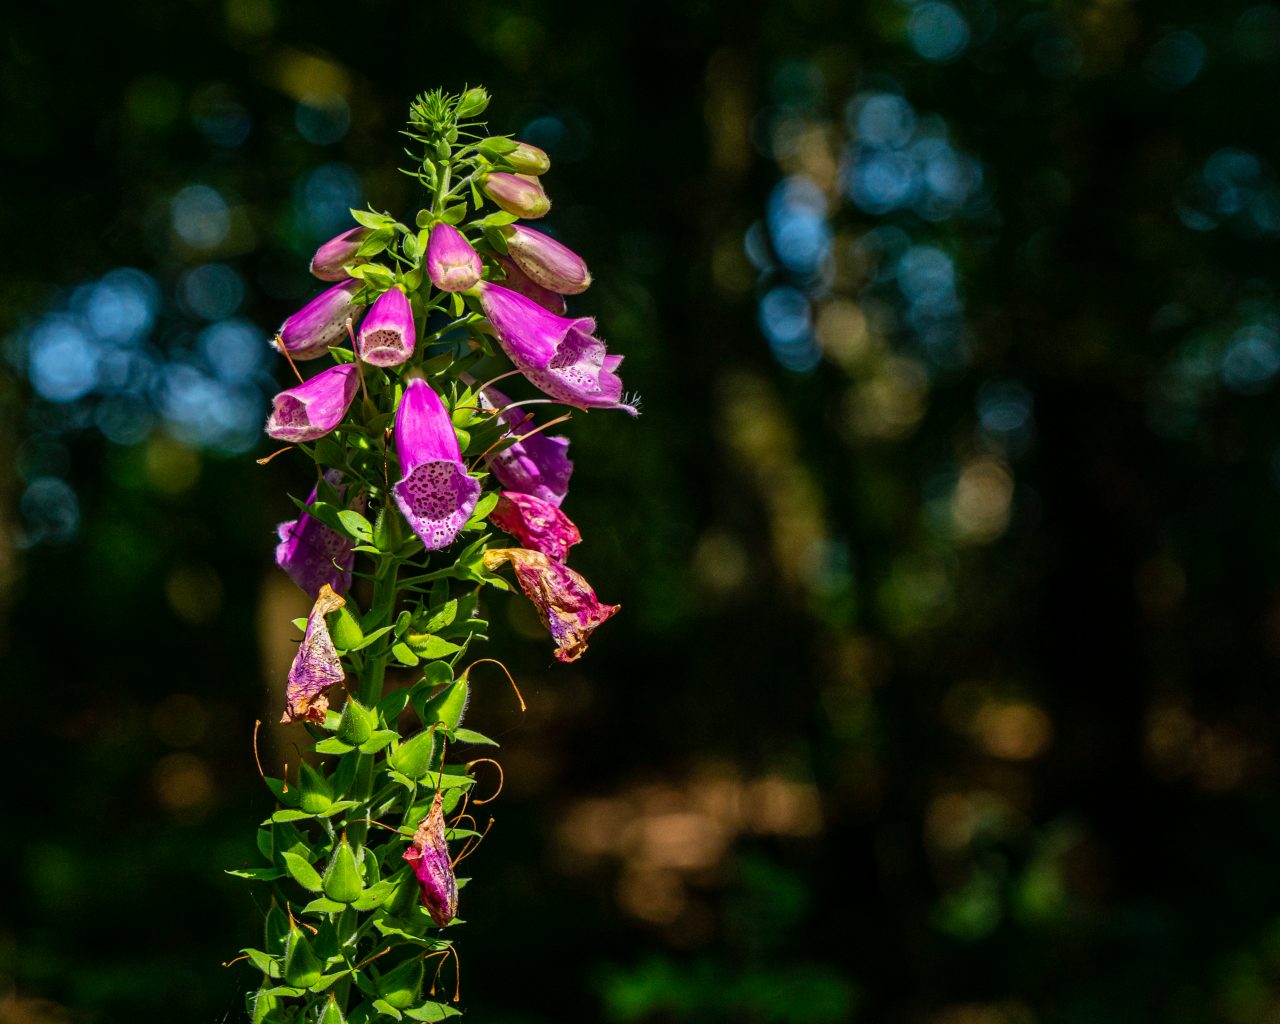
(314, 555)
(536, 524)
(314, 407)
(558, 355)
(331, 259)
(388, 335)
(538, 464)
(434, 492)
(528, 159)
(517, 194)
(316, 666)
(320, 323)
(518, 281)
(428, 856)
(568, 605)
(452, 264)
(547, 262)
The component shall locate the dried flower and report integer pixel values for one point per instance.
(428, 855)
(452, 265)
(557, 354)
(568, 605)
(387, 336)
(546, 262)
(322, 322)
(331, 259)
(314, 554)
(435, 493)
(316, 666)
(536, 524)
(314, 407)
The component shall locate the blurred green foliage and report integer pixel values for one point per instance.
(943, 688)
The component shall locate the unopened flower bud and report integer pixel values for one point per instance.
(331, 259)
(388, 335)
(527, 159)
(452, 264)
(546, 262)
(518, 281)
(301, 966)
(473, 102)
(519, 196)
(401, 987)
(320, 323)
(342, 882)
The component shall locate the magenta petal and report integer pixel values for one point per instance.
(546, 262)
(536, 524)
(322, 322)
(452, 265)
(581, 374)
(314, 554)
(331, 258)
(388, 335)
(437, 498)
(313, 408)
(434, 492)
(537, 465)
(529, 333)
(518, 281)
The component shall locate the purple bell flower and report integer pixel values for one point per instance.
(546, 262)
(316, 666)
(314, 407)
(518, 281)
(452, 264)
(388, 335)
(428, 856)
(330, 260)
(314, 554)
(320, 323)
(558, 355)
(518, 195)
(537, 465)
(434, 493)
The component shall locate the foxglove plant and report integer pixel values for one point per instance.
(414, 452)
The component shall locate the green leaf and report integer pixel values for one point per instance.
(324, 905)
(402, 985)
(356, 526)
(392, 704)
(333, 745)
(493, 146)
(369, 638)
(429, 646)
(433, 1011)
(302, 872)
(483, 507)
(404, 655)
(441, 617)
(368, 219)
(454, 214)
(257, 874)
(288, 815)
(267, 964)
(385, 1008)
(471, 736)
(326, 980)
(266, 846)
(378, 740)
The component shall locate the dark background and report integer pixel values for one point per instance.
(944, 688)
